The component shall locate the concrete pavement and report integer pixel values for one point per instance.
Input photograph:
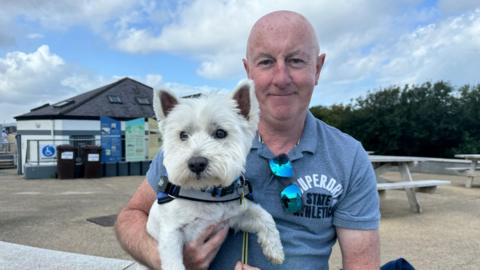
(14, 257)
(52, 214)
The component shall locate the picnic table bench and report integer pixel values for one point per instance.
(470, 172)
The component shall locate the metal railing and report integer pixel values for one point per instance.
(8, 148)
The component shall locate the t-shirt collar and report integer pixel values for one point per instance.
(308, 141)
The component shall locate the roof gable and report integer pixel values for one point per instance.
(95, 103)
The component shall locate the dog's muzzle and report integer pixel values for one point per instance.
(197, 164)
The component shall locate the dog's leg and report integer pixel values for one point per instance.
(170, 248)
(256, 220)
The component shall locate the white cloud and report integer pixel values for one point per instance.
(17, 17)
(185, 90)
(64, 14)
(82, 81)
(369, 43)
(30, 79)
(448, 50)
(7, 30)
(35, 36)
(27, 77)
(215, 32)
(457, 6)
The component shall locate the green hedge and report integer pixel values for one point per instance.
(431, 119)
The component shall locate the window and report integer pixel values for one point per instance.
(143, 100)
(81, 140)
(63, 103)
(114, 99)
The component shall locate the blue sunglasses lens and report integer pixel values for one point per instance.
(291, 198)
(281, 166)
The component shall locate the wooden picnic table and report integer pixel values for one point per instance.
(382, 164)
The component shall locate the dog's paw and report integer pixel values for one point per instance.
(272, 246)
(274, 254)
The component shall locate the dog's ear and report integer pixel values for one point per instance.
(244, 95)
(163, 103)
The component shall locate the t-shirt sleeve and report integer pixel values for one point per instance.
(359, 208)
(156, 170)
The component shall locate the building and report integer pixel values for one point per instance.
(77, 119)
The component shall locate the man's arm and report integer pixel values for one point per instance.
(131, 231)
(131, 227)
(360, 249)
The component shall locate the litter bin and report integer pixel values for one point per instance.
(91, 161)
(66, 155)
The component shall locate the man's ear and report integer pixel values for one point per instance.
(319, 66)
(244, 95)
(163, 103)
(245, 66)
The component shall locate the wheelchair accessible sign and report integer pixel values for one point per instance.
(47, 151)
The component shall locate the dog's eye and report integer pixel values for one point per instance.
(183, 135)
(220, 133)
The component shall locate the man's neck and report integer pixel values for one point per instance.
(281, 137)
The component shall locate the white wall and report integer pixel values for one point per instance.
(52, 127)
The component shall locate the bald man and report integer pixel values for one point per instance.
(332, 170)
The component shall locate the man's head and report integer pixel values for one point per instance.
(284, 62)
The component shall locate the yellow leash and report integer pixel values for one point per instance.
(245, 248)
(245, 236)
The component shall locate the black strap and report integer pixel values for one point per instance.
(167, 191)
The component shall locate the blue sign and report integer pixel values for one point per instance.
(111, 139)
(48, 151)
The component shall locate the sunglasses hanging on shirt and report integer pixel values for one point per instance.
(291, 195)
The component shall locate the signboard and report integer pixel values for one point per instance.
(93, 157)
(67, 155)
(111, 139)
(153, 138)
(47, 151)
(135, 140)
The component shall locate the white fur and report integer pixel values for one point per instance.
(174, 223)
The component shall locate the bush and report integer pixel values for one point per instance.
(433, 120)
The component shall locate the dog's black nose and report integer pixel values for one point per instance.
(197, 164)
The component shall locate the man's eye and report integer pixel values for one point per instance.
(265, 62)
(220, 133)
(183, 135)
(297, 62)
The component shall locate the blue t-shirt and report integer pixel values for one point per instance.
(339, 190)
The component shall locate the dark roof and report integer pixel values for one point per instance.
(97, 102)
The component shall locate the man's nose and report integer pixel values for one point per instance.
(282, 76)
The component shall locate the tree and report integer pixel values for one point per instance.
(425, 120)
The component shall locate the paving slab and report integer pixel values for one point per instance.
(14, 257)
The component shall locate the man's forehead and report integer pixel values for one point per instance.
(263, 52)
(273, 30)
(285, 43)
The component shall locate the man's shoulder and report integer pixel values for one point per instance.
(333, 134)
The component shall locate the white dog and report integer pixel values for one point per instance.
(205, 142)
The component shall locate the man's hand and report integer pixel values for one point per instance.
(241, 266)
(199, 253)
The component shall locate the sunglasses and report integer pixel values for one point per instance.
(291, 195)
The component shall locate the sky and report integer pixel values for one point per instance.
(53, 50)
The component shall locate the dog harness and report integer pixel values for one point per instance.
(239, 189)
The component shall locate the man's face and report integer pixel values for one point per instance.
(285, 67)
